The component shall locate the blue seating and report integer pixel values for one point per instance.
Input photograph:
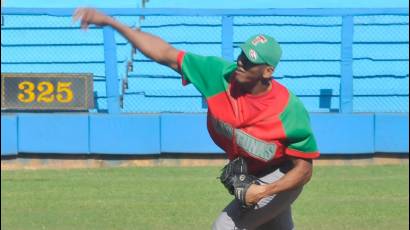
(310, 66)
(263, 4)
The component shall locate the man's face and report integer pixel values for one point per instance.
(248, 72)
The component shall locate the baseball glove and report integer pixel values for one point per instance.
(236, 180)
(235, 167)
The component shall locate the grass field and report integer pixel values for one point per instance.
(342, 197)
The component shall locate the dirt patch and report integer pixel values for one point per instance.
(73, 162)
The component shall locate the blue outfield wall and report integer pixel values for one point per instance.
(391, 133)
(124, 134)
(53, 133)
(186, 133)
(344, 133)
(133, 134)
(9, 135)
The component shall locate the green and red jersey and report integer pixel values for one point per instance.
(264, 129)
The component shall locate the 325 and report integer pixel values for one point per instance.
(45, 91)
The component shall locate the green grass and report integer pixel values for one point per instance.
(344, 197)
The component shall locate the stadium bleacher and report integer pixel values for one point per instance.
(263, 4)
(380, 52)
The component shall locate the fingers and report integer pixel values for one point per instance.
(78, 13)
(84, 25)
(84, 15)
(85, 20)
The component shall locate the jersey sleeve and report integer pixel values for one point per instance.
(208, 74)
(300, 141)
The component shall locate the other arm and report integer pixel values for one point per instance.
(299, 175)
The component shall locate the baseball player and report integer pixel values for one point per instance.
(263, 128)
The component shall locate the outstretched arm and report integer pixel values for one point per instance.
(151, 46)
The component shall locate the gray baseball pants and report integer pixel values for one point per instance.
(273, 213)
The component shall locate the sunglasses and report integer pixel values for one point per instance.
(245, 62)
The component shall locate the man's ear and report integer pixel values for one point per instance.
(268, 72)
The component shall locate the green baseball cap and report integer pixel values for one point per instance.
(262, 49)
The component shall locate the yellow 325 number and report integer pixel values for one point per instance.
(46, 92)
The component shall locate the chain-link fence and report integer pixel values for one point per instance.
(381, 63)
(156, 88)
(49, 44)
(310, 67)
(54, 45)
